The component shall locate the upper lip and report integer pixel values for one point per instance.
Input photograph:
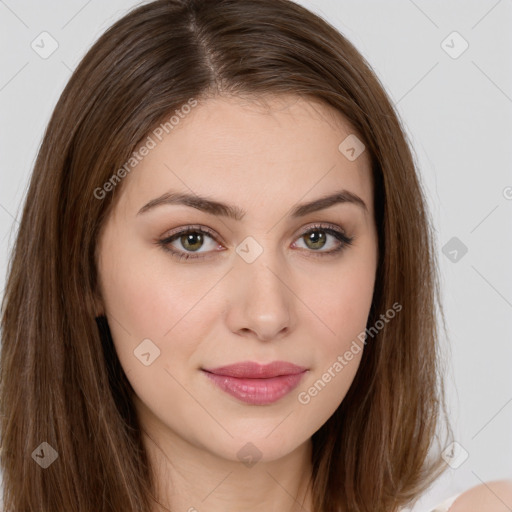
(254, 370)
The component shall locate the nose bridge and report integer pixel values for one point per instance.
(262, 298)
(260, 265)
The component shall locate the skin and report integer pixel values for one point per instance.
(290, 304)
(495, 496)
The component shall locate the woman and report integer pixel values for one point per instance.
(232, 288)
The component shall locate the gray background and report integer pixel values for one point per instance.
(458, 115)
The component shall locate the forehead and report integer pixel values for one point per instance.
(254, 150)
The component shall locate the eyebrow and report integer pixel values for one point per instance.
(234, 212)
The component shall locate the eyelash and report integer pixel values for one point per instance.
(329, 229)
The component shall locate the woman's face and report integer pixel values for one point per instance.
(273, 284)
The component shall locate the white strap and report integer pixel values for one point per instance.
(445, 505)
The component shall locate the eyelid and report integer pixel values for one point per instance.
(191, 228)
(200, 227)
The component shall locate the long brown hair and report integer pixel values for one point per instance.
(61, 382)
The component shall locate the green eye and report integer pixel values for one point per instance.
(192, 239)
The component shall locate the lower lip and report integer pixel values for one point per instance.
(257, 391)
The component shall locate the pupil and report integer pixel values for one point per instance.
(317, 238)
(189, 240)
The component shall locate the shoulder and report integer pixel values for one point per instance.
(495, 496)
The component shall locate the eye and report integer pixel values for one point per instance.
(192, 239)
(317, 237)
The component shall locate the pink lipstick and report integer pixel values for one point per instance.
(257, 384)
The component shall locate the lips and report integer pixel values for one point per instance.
(257, 384)
(253, 370)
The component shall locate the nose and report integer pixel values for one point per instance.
(261, 302)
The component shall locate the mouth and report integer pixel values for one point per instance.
(257, 384)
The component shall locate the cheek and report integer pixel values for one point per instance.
(144, 303)
(344, 303)
(343, 306)
(145, 300)
(145, 297)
